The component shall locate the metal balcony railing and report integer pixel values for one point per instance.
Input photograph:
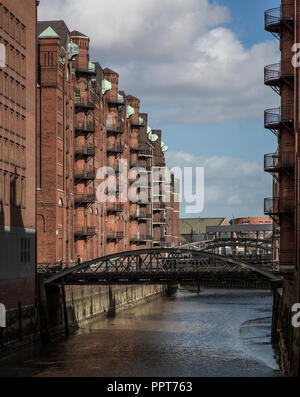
(276, 116)
(114, 99)
(159, 206)
(275, 16)
(84, 232)
(114, 207)
(271, 162)
(88, 71)
(84, 175)
(87, 127)
(114, 148)
(141, 238)
(277, 71)
(274, 163)
(278, 206)
(84, 199)
(85, 150)
(144, 150)
(84, 104)
(115, 128)
(115, 236)
(141, 216)
(159, 221)
(115, 166)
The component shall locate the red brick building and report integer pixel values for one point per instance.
(284, 23)
(86, 123)
(18, 153)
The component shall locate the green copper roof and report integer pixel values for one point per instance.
(49, 33)
(120, 98)
(92, 67)
(153, 137)
(73, 50)
(106, 86)
(129, 111)
(164, 147)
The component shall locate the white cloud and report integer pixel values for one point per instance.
(174, 55)
(232, 186)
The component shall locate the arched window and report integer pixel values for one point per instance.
(60, 212)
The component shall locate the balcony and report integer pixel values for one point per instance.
(140, 239)
(84, 199)
(140, 123)
(276, 73)
(114, 148)
(84, 128)
(85, 151)
(84, 176)
(114, 99)
(275, 17)
(84, 105)
(159, 221)
(141, 150)
(275, 163)
(113, 236)
(113, 208)
(86, 71)
(142, 216)
(115, 166)
(115, 128)
(278, 206)
(159, 206)
(276, 117)
(84, 233)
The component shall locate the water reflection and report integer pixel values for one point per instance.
(216, 333)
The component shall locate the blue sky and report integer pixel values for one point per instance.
(197, 66)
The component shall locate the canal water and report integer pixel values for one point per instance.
(216, 333)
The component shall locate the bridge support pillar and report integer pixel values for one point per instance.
(64, 302)
(171, 289)
(44, 323)
(112, 304)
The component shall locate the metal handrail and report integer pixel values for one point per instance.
(273, 117)
(88, 102)
(115, 235)
(274, 161)
(271, 161)
(88, 150)
(141, 238)
(85, 126)
(276, 71)
(115, 148)
(85, 174)
(274, 16)
(276, 206)
(85, 231)
(114, 207)
(85, 198)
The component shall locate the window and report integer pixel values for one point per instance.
(23, 192)
(25, 250)
(12, 189)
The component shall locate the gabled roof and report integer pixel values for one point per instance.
(58, 26)
(107, 70)
(198, 225)
(132, 97)
(49, 33)
(75, 33)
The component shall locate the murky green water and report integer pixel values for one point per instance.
(217, 333)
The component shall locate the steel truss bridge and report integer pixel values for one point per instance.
(250, 250)
(162, 266)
